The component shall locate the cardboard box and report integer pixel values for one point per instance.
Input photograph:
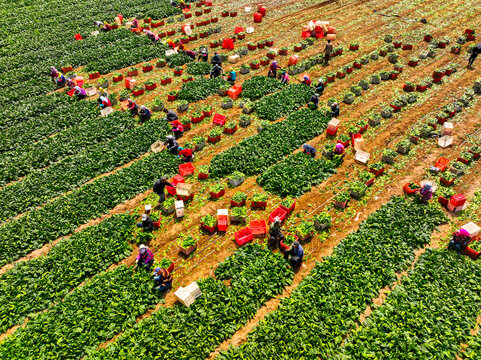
(445, 141)
(454, 209)
(233, 59)
(472, 229)
(179, 208)
(184, 189)
(362, 157)
(108, 110)
(194, 290)
(448, 128)
(91, 91)
(184, 297)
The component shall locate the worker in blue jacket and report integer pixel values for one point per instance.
(232, 77)
(295, 254)
(309, 150)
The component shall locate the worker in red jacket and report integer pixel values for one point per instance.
(187, 155)
(133, 107)
(104, 102)
(306, 80)
(162, 279)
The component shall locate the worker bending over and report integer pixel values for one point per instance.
(159, 187)
(177, 129)
(104, 102)
(61, 80)
(144, 114)
(162, 279)
(106, 26)
(295, 254)
(133, 107)
(203, 55)
(313, 102)
(426, 193)
(53, 74)
(275, 234)
(335, 110)
(284, 77)
(273, 69)
(146, 224)
(232, 77)
(309, 150)
(320, 87)
(339, 149)
(459, 241)
(145, 259)
(80, 93)
(135, 24)
(187, 155)
(306, 80)
(216, 71)
(171, 115)
(172, 145)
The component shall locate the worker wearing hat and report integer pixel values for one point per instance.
(172, 144)
(162, 279)
(146, 224)
(295, 254)
(145, 259)
(309, 150)
(275, 234)
(474, 55)
(459, 241)
(335, 110)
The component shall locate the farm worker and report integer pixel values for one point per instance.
(102, 92)
(145, 259)
(171, 115)
(459, 241)
(273, 69)
(334, 110)
(306, 80)
(204, 55)
(106, 27)
(53, 73)
(162, 279)
(187, 155)
(275, 234)
(178, 130)
(190, 54)
(173, 3)
(215, 72)
(181, 48)
(320, 87)
(284, 77)
(314, 100)
(135, 24)
(70, 83)
(171, 144)
(339, 149)
(98, 23)
(159, 187)
(104, 102)
(426, 193)
(61, 80)
(144, 114)
(146, 224)
(232, 77)
(474, 55)
(133, 107)
(80, 93)
(216, 59)
(327, 52)
(295, 254)
(309, 149)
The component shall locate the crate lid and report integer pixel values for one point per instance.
(223, 212)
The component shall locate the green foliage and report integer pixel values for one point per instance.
(32, 156)
(259, 197)
(188, 242)
(90, 315)
(329, 301)
(208, 220)
(41, 186)
(259, 86)
(239, 196)
(281, 103)
(32, 286)
(198, 68)
(178, 332)
(255, 154)
(296, 175)
(441, 286)
(61, 216)
(200, 89)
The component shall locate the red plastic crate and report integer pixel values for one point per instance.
(186, 169)
(470, 252)
(214, 195)
(258, 227)
(243, 236)
(442, 163)
(222, 223)
(237, 204)
(332, 132)
(177, 179)
(171, 190)
(457, 200)
(288, 211)
(71, 92)
(210, 229)
(219, 119)
(278, 214)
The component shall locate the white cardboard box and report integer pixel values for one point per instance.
(445, 141)
(472, 229)
(362, 156)
(194, 290)
(106, 111)
(179, 208)
(184, 297)
(91, 91)
(223, 212)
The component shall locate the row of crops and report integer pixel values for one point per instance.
(111, 301)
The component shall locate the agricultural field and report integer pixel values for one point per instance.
(377, 280)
